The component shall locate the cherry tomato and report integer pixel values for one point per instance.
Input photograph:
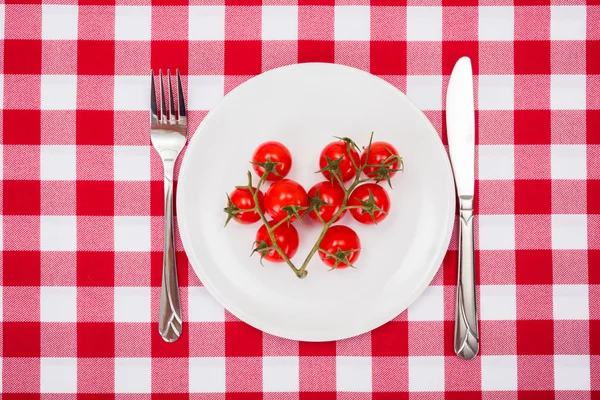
(285, 192)
(380, 151)
(339, 240)
(276, 152)
(242, 199)
(334, 151)
(286, 237)
(381, 200)
(330, 193)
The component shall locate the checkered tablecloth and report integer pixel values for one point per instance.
(82, 198)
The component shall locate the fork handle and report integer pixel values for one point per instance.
(170, 322)
(466, 331)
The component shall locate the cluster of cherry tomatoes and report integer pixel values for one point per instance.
(351, 184)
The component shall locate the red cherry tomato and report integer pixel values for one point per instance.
(286, 237)
(380, 151)
(242, 199)
(285, 192)
(333, 195)
(275, 152)
(339, 239)
(380, 199)
(334, 151)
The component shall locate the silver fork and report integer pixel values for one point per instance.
(168, 135)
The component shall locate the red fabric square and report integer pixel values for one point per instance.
(160, 348)
(22, 56)
(595, 337)
(21, 126)
(592, 118)
(316, 348)
(156, 259)
(388, 58)
(95, 127)
(243, 57)
(157, 198)
(21, 339)
(169, 54)
(535, 337)
(21, 197)
(592, 56)
(593, 196)
(534, 267)
(594, 267)
(96, 57)
(21, 268)
(390, 339)
(532, 57)
(95, 198)
(242, 340)
(316, 51)
(95, 339)
(453, 50)
(95, 268)
(535, 394)
(450, 267)
(532, 126)
(533, 196)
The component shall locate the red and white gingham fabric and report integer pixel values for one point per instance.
(81, 198)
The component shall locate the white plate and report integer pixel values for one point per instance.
(303, 106)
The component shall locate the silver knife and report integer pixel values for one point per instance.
(460, 123)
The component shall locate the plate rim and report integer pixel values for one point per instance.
(274, 329)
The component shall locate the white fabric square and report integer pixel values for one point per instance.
(496, 92)
(133, 375)
(496, 162)
(571, 302)
(426, 374)
(281, 374)
(2, 11)
(58, 233)
(132, 163)
(209, 91)
(498, 373)
(206, 23)
(133, 23)
(132, 304)
(424, 23)
(569, 231)
(352, 23)
(58, 162)
(567, 92)
(207, 375)
(58, 304)
(498, 302)
(567, 22)
(280, 22)
(132, 233)
(425, 91)
(496, 232)
(353, 374)
(132, 92)
(59, 92)
(429, 306)
(202, 306)
(568, 161)
(58, 375)
(59, 22)
(572, 372)
(497, 23)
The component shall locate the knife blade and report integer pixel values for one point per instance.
(460, 123)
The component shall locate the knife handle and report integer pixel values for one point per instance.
(466, 332)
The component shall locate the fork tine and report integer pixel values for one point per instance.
(163, 106)
(153, 107)
(171, 102)
(180, 100)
